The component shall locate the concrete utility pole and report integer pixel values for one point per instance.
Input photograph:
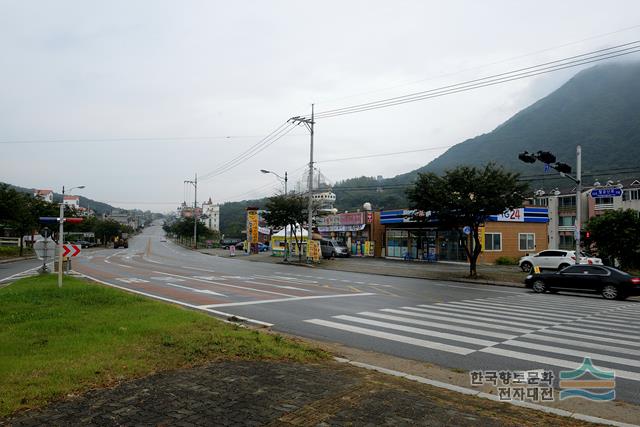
(309, 123)
(195, 207)
(578, 200)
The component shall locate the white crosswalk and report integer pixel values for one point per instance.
(539, 329)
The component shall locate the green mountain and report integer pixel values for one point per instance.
(598, 108)
(98, 207)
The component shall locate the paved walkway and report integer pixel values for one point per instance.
(280, 394)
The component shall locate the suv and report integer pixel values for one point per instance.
(554, 259)
(332, 249)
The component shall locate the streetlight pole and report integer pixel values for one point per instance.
(309, 123)
(61, 235)
(195, 209)
(285, 194)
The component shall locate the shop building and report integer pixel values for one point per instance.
(356, 230)
(512, 234)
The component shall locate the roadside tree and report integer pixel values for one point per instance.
(288, 211)
(615, 235)
(465, 197)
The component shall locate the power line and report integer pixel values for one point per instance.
(176, 139)
(385, 154)
(252, 151)
(560, 64)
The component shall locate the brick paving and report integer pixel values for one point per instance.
(244, 393)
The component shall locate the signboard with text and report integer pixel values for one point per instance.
(512, 215)
(597, 193)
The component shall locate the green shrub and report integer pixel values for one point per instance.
(507, 260)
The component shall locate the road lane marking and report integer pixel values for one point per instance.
(225, 284)
(530, 313)
(21, 273)
(500, 319)
(199, 269)
(131, 280)
(277, 286)
(269, 301)
(150, 260)
(572, 352)
(393, 337)
(586, 344)
(438, 325)
(201, 291)
(611, 334)
(166, 279)
(444, 309)
(185, 304)
(593, 337)
(465, 322)
(122, 265)
(530, 357)
(420, 331)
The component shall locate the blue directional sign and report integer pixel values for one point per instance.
(606, 192)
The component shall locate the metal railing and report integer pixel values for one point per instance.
(9, 241)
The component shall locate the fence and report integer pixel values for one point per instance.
(9, 241)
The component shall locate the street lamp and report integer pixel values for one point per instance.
(279, 177)
(565, 170)
(61, 234)
(285, 193)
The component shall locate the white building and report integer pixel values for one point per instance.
(73, 201)
(46, 195)
(211, 215)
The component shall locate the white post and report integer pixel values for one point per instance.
(61, 240)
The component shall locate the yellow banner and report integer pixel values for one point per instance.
(481, 236)
(314, 250)
(252, 226)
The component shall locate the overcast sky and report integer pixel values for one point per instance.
(194, 83)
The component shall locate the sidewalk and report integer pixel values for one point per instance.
(246, 393)
(487, 274)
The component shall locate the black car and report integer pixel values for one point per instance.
(610, 282)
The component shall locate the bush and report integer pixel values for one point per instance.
(506, 260)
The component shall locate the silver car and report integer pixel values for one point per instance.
(555, 259)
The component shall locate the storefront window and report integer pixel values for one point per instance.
(397, 243)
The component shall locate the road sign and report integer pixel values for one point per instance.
(606, 192)
(70, 250)
(44, 248)
(466, 230)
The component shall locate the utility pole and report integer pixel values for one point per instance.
(195, 207)
(578, 200)
(309, 123)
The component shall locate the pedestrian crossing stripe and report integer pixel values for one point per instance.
(533, 328)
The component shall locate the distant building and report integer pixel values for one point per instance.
(46, 195)
(211, 215)
(185, 211)
(73, 201)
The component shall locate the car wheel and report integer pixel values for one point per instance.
(561, 266)
(526, 266)
(610, 292)
(553, 291)
(333, 255)
(539, 287)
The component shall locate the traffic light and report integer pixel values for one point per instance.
(546, 157)
(527, 157)
(562, 167)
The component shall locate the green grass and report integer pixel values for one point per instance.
(54, 342)
(13, 252)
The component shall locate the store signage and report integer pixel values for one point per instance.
(342, 219)
(252, 226)
(512, 215)
(328, 228)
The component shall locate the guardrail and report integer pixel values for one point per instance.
(9, 241)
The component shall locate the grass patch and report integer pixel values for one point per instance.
(54, 342)
(14, 252)
(506, 260)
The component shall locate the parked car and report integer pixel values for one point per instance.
(163, 239)
(556, 259)
(332, 249)
(240, 246)
(263, 247)
(83, 244)
(610, 282)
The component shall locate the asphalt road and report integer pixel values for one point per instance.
(454, 325)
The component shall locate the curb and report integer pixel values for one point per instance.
(483, 395)
(7, 261)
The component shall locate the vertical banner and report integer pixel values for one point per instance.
(481, 236)
(252, 228)
(314, 250)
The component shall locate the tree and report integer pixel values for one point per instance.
(616, 236)
(465, 197)
(287, 211)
